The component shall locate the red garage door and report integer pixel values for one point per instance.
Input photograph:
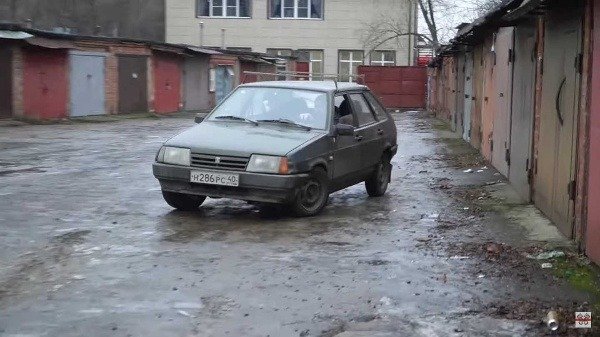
(45, 83)
(397, 87)
(167, 83)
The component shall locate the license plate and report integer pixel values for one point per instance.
(215, 178)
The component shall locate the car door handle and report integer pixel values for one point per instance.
(358, 138)
(380, 132)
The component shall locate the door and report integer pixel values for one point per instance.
(167, 83)
(133, 84)
(87, 85)
(556, 158)
(502, 115)
(196, 84)
(5, 82)
(223, 82)
(490, 95)
(478, 84)
(468, 102)
(369, 131)
(460, 91)
(346, 156)
(521, 138)
(45, 83)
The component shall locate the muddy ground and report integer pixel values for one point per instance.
(89, 248)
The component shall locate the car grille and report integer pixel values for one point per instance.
(219, 162)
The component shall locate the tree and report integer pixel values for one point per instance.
(439, 18)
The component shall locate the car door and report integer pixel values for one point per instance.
(368, 132)
(346, 153)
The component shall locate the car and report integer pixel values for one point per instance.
(281, 142)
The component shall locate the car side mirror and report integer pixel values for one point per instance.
(198, 119)
(344, 130)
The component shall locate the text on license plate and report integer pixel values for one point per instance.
(215, 178)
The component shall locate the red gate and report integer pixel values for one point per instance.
(397, 87)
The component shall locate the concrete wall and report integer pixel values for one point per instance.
(142, 19)
(342, 28)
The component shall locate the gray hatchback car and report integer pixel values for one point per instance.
(288, 142)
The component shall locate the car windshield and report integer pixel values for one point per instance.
(291, 107)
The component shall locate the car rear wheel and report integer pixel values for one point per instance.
(183, 202)
(312, 195)
(378, 182)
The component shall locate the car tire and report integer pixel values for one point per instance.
(313, 195)
(183, 202)
(379, 180)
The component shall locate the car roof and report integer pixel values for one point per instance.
(326, 86)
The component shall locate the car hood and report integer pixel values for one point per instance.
(242, 139)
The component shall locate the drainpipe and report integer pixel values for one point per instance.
(201, 34)
(222, 38)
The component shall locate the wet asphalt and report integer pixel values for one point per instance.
(89, 248)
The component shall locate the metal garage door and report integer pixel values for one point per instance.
(167, 83)
(87, 84)
(196, 84)
(460, 92)
(133, 84)
(503, 77)
(522, 110)
(560, 93)
(5, 82)
(397, 87)
(45, 83)
(490, 96)
(468, 91)
(478, 82)
(223, 82)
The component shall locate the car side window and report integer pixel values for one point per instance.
(363, 110)
(343, 110)
(377, 107)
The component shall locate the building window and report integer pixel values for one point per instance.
(384, 58)
(315, 59)
(296, 9)
(280, 64)
(349, 60)
(223, 8)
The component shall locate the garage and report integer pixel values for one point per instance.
(45, 83)
(87, 84)
(5, 82)
(133, 83)
(167, 82)
(196, 96)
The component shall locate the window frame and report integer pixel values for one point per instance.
(351, 75)
(374, 102)
(224, 9)
(311, 60)
(356, 112)
(382, 62)
(296, 7)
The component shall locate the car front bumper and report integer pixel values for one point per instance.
(270, 188)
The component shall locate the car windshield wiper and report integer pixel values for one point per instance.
(237, 118)
(285, 121)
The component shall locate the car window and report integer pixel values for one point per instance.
(300, 106)
(343, 110)
(363, 110)
(377, 107)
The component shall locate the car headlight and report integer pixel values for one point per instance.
(267, 164)
(174, 155)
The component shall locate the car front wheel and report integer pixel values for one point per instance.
(183, 202)
(312, 195)
(378, 182)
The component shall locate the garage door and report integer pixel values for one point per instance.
(5, 82)
(87, 85)
(133, 84)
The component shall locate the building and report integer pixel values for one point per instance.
(329, 34)
(140, 19)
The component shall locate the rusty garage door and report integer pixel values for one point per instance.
(522, 111)
(5, 82)
(45, 83)
(478, 82)
(503, 77)
(397, 87)
(460, 89)
(556, 158)
(593, 217)
(468, 94)
(167, 82)
(489, 98)
(133, 84)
